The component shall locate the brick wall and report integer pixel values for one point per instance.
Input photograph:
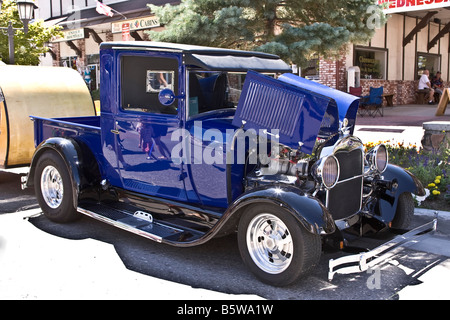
(332, 73)
(56, 49)
(404, 91)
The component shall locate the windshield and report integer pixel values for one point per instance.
(214, 90)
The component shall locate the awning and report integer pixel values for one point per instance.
(53, 22)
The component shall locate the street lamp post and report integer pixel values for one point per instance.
(26, 9)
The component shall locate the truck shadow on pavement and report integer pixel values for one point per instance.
(217, 266)
(12, 197)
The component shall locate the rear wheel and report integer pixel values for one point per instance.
(275, 247)
(53, 187)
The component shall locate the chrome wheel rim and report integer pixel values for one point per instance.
(52, 187)
(269, 243)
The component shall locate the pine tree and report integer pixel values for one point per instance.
(294, 30)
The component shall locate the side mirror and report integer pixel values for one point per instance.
(166, 97)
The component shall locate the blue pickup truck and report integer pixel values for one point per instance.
(196, 142)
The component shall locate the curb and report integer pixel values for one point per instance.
(430, 212)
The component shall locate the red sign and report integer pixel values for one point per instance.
(126, 32)
(393, 6)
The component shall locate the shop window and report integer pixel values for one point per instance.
(69, 62)
(371, 62)
(93, 68)
(427, 61)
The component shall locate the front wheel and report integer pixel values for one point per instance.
(54, 190)
(404, 212)
(275, 247)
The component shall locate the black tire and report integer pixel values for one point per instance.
(273, 261)
(404, 212)
(55, 201)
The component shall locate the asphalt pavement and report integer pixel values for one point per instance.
(35, 264)
(43, 261)
(38, 265)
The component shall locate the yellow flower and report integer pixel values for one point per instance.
(437, 181)
(438, 177)
(436, 192)
(431, 185)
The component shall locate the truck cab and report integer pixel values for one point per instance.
(195, 142)
(139, 128)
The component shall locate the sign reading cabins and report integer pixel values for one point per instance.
(136, 24)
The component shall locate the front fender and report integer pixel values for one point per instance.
(309, 211)
(80, 162)
(407, 182)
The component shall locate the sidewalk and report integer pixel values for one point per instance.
(399, 124)
(412, 115)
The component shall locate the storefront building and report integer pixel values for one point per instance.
(415, 38)
(85, 29)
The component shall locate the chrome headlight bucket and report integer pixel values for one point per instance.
(326, 171)
(377, 158)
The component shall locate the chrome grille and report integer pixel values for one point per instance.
(345, 198)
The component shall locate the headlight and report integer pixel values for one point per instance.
(378, 158)
(326, 171)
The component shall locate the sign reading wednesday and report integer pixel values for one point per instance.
(395, 6)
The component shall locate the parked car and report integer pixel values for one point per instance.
(195, 142)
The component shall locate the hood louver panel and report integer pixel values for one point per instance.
(268, 104)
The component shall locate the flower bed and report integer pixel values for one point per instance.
(432, 168)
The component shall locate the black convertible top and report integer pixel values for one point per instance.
(210, 58)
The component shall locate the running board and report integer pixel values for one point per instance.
(137, 222)
(365, 260)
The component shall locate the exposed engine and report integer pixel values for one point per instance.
(333, 171)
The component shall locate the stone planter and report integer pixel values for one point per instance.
(436, 135)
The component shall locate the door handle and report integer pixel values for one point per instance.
(115, 131)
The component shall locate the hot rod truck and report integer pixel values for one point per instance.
(195, 142)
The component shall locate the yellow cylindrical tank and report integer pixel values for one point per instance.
(39, 91)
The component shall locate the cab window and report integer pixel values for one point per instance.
(214, 90)
(142, 78)
(210, 91)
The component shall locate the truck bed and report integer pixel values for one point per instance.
(85, 129)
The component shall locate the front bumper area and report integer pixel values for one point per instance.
(366, 260)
